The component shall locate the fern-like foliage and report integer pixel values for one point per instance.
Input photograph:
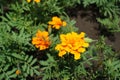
(15, 41)
(26, 64)
(6, 72)
(112, 68)
(50, 68)
(111, 24)
(108, 9)
(69, 3)
(29, 66)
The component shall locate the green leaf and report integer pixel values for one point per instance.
(37, 72)
(6, 67)
(13, 76)
(30, 59)
(28, 69)
(44, 63)
(33, 62)
(31, 72)
(88, 40)
(26, 57)
(25, 67)
(11, 72)
(18, 56)
(2, 76)
(2, 58)
(36, 67)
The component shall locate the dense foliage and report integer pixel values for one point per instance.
(39, 40)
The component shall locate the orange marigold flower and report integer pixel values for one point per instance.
(18, 72)
(56, 23)
(37, 1)
(72, 43)
(41, 40)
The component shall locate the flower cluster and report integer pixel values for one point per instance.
(72, 43)
(56, 23)
(41, 40)
(37, 1)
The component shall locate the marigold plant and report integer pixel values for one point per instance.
(56, 23)
(72, 43)
(41, 40)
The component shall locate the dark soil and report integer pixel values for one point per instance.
(86, 21)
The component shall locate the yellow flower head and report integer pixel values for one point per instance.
(56, 23)
(41, 40)
(18, 72)
(72, 43)
(28, 1)
(37, 1)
